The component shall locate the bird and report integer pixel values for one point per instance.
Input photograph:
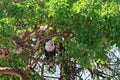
(50, 49)
(53, 49)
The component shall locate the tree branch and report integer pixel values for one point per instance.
(13, 71)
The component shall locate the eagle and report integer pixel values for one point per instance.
(52, 49)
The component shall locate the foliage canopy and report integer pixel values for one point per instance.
(88, 28)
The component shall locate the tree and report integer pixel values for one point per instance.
(85, 28)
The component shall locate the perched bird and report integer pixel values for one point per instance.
(53, 49)
(50, 49)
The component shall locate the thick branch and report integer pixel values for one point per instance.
(13, 71)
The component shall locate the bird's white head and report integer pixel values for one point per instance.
(49, 46)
